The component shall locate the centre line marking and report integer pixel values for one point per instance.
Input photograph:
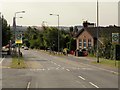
(81, 77)
(67, 69)
(28, 85)
(59, 65)
(93, 84)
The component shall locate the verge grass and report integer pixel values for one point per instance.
(108, 62)
(18, 63)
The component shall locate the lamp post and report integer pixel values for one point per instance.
(97, 32)
(0, 35)
(58, 29)
(14, 27)
(14, 21)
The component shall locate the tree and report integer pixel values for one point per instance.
(6, 33)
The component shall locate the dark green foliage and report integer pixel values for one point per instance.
(6, 33)
(48, 38)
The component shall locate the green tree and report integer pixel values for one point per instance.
(6, 33)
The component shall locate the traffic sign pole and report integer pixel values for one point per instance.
(115, 54)
(115, 40)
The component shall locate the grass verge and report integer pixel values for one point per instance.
(108, 62)
(18, 63)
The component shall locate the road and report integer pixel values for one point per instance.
(58, 72)
(48, 71)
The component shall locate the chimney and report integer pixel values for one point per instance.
(85, 23)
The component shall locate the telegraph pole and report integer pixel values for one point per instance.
(0, 36)
(97, 32)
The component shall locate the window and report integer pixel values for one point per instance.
(89, 43)
(84, 43)
(80, 43)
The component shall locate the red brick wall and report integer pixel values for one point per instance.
(84, 35)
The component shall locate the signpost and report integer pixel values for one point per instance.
(18, 40)
(18, 37)
(115, 40)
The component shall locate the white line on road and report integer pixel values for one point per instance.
(81, 77)
(2, 60)
(63, 68)
(67, 69)
(28, 85)
(55, 63)
(93, 84)
(59, 65)
(57, 68)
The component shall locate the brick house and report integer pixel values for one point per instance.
(87, 36)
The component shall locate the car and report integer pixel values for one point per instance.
(26, 48)
(84, 52)
(22, 46)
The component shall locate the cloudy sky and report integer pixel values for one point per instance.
(71, 12)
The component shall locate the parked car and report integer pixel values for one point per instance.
(26, 48)
(22, 46)
(84, 52)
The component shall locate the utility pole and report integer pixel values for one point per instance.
(0, 36)
(97, 32)
(58, 31)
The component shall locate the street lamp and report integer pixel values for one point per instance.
(14, 28)
(19, 12)
(14, 21)
(58, 29)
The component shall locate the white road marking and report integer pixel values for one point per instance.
(28, 85)
(67, 69)
(93, 84)
(48, 69)
(59, 65)
(63, 68)
(37, 69)
(57, 68)
(81, 77)
(43, 69)
(2, 60)
(55, 63)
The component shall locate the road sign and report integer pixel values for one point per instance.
(115, 38)
(18, 38)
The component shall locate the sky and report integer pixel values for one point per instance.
(71, 12)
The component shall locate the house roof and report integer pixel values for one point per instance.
(102, 31)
